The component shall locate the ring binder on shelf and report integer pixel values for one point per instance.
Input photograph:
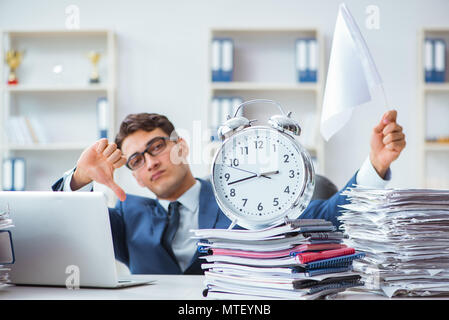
(14, 173)
(222, 64)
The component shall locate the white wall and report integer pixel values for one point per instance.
(162, 61)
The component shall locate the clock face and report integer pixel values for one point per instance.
(258, 175)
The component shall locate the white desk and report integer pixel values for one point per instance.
(166, 287)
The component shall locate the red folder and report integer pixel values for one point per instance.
(307, 257)
(276, 254)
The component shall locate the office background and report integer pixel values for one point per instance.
(162, 64)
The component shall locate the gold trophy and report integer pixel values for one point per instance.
(94, 57)
(13, 59)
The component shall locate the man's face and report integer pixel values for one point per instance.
(162, 174)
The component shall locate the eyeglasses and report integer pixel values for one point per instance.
(154, 147)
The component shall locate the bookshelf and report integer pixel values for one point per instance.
(54, 91)
(265, 68)
(433, 115)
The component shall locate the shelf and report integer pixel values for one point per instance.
(49, 147)
(57, 88)
(436, 146)
(263, 31)
(437, 87)
(62, 32)
(262, 86)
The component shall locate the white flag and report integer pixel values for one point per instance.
(351, 77)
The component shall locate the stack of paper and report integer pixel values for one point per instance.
(301, 259)
(6, 253)
(404, 234)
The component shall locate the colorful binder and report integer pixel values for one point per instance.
(274, 254)
(306, 257)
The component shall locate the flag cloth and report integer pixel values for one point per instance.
(352, 75)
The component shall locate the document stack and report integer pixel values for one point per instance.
(301, 259)
(405, 236)
(6, 250)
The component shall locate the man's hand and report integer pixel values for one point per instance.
(97, 163)
(387, 143)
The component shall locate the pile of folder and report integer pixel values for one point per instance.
(6, 250)
(301, 259)
(405, 236)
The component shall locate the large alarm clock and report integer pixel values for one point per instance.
(261, 175)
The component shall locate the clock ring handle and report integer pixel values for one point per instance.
(254, 101)
(282, 122)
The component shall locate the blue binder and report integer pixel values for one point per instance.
(216, 59)
(334, 262)
(102, 117)
(312, 54)
(440, 60)
(317, 272)
(306, 59)
(222, 62)
(14, 174)
(428, 60)
(227, 59)
(221, 107)
(435, 60)
(301, 60)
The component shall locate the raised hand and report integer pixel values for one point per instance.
(387, 143)
(97, 163)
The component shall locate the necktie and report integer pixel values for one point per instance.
(172, 226)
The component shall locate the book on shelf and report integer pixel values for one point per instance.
(441, 139)
(22, 130)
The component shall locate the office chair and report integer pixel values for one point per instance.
(324, 188)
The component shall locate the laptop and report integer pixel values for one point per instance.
(62, 239)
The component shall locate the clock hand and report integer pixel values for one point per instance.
(247, 171)
(264, 174)
(240, 169)
(247, 178)
(255, 175)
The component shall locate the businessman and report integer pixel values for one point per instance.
(151, 236)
